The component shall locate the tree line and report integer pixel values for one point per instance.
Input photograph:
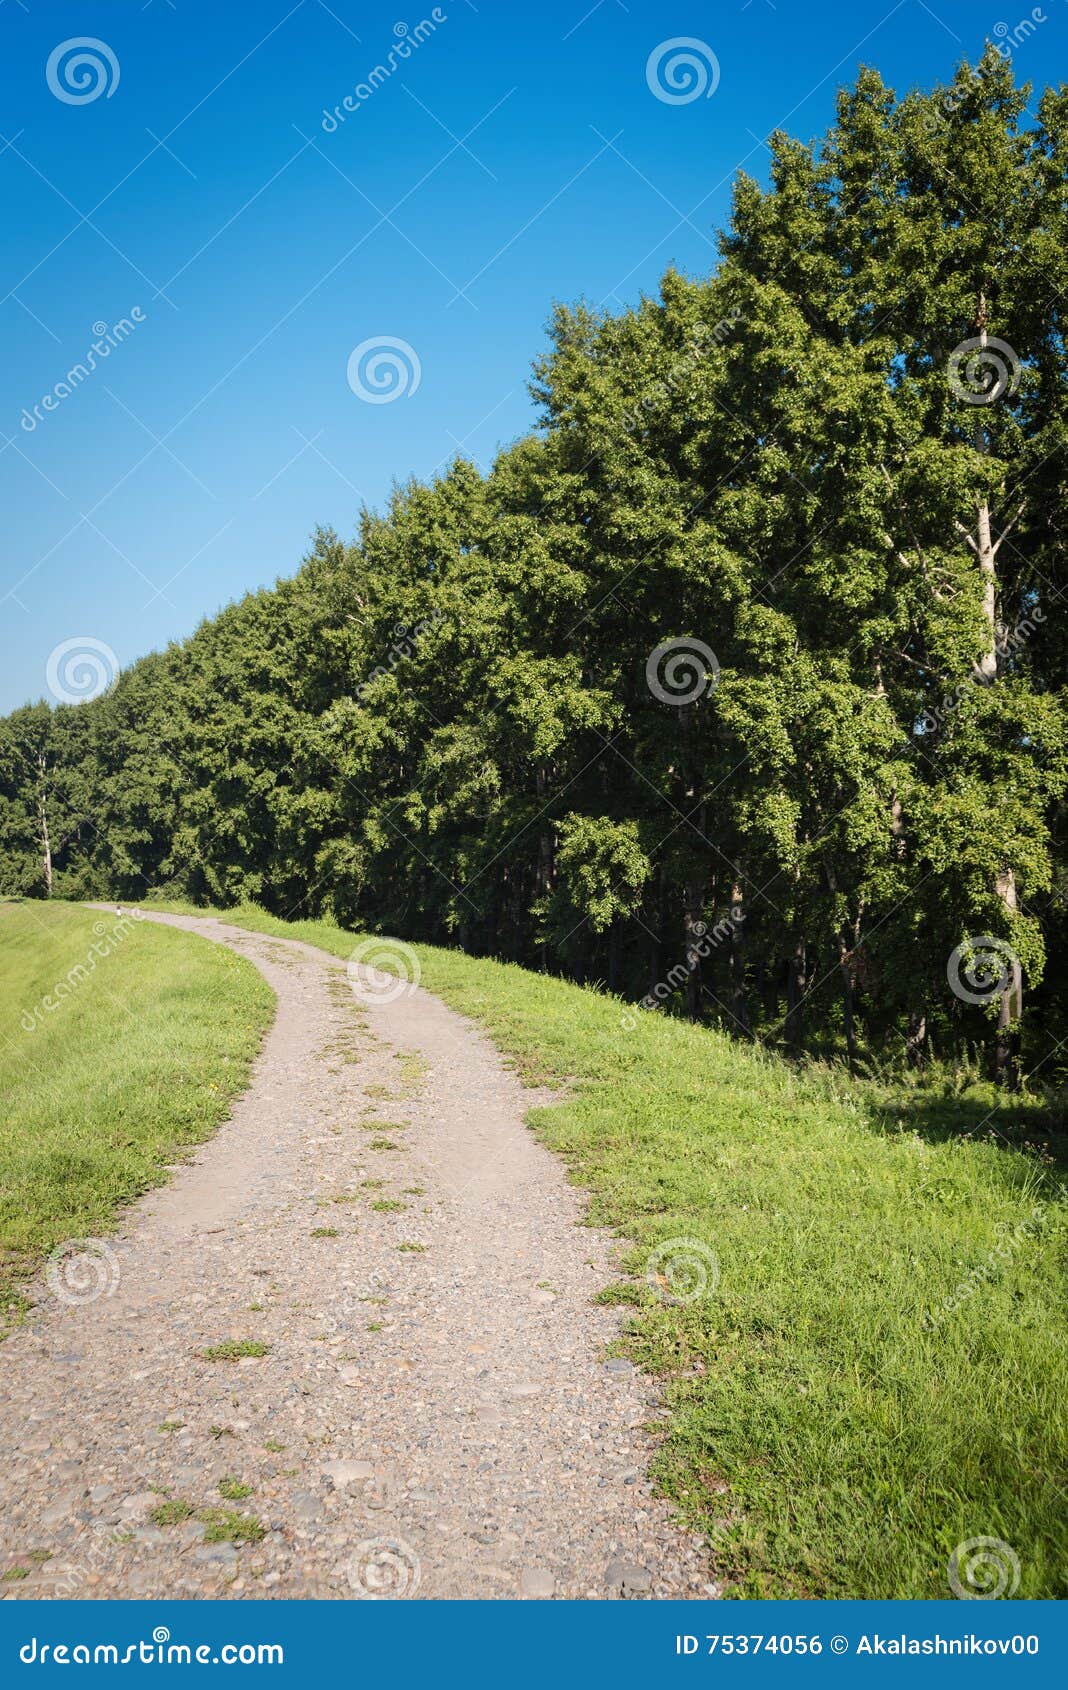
(737, 687)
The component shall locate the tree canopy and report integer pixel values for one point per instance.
(737, 687)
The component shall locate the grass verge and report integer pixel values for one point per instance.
(874, 1369)
(121, 1045)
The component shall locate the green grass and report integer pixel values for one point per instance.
(233, 1349)
(172, 1513)
(832, 1422)
(225, 1526)
(137, 1061)
(221, 1525)
(233, 1490)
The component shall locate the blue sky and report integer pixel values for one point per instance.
(517, 155)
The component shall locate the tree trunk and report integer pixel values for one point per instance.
(46, 844)
(545, 869)
(916, 1039)
(986, 548)
(795, 992)
(985, 551)
(693, 933)
(654, 946)
(739, 996)
(615, 957)
(845, 963)
(1006, 1060)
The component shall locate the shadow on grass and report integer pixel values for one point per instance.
(1036, 1128)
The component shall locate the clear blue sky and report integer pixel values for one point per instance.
(517, 154)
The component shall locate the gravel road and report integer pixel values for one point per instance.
(432, 1415)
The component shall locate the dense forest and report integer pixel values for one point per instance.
(737, 687)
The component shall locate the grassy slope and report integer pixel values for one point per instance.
(830, 1443)
(141, 1059)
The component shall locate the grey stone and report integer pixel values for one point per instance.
(537, 1583)
(628, 1577)
(306, 1506)
(343, 1473)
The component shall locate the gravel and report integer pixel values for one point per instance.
(430, 1424)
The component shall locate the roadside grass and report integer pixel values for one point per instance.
(235, 1349)
(138, 1061)
(880, 1371)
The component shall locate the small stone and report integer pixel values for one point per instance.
(342, 1473)
(272, 1578)
(619, 1365)
(349, 1375)
(139, 1504)
(627, 1577)
(224, 1552)
(537, 1583)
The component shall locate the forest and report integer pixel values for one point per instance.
(737, 688)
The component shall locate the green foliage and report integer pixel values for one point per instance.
(447, 729)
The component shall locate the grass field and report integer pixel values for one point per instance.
(875, 1369)
(121, 1044)
(880, 1373)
